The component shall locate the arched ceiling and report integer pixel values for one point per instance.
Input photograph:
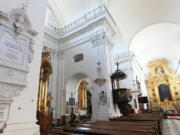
(130, 15)
(158, 41)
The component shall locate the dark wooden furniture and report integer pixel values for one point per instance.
(45, 123)
(145, 124)
(145, 117)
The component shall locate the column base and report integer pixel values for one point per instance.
(30, 128)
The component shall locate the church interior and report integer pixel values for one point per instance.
(102, 67)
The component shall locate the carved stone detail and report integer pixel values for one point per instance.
(31, 51)
(8, 90)
(16, 51)
(98, 38)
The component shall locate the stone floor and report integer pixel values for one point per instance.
(171, 127)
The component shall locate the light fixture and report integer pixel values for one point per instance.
(100, 80)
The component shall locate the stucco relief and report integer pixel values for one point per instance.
(16, 51)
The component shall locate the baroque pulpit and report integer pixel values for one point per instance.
(121, 96)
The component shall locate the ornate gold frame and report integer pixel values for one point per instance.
(161, 74)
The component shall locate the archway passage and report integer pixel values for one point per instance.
(78, 89)
(84, 101)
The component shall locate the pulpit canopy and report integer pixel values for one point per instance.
(116, 77)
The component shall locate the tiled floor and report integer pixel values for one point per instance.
(171, 127)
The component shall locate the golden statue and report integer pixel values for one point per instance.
(163, 86)
(45, 71)
(49, 99)
(167, 103)
(82, 95)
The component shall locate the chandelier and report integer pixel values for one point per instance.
(100, 80)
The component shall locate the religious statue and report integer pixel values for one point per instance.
(166, 103)
(49, 99)
(71, 100)
(159, 70)
(102, 98)
(19, 24)
(44, 98)
(82, 95)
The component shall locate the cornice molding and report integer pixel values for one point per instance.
(90, 19)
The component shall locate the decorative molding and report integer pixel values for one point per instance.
(21, 22)
(16, 52)
(98, 38)
(9, 90)
(98, 14)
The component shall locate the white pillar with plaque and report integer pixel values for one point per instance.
(16, 51)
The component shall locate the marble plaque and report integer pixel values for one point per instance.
(16, 52)
(12, 52)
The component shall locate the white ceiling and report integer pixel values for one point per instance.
(130, 15)
(159, 41)
(135, 19)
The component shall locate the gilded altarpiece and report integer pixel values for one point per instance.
(163, 86)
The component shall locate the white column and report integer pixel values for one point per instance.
(112, 110)
(59, 106)
(53, 78)
(103, 112)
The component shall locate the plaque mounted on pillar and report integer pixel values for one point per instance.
(16, 52)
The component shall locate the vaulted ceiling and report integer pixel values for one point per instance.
(130, 15)
(132, 18)
(158, 41)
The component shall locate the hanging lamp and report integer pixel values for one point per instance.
(100, 80)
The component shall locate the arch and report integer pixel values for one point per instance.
(146, 26)
(56, 13)
(74, 88)
(73, 83)
(157, 41)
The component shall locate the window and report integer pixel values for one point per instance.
(78, 58)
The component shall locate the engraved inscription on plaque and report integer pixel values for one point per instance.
(16, 52)
(12, 51)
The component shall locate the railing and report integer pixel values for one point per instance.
(91, 15)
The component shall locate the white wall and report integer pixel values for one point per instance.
(87, 67)
(22, 118)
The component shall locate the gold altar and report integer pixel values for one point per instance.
(163, 86)
(82, 95)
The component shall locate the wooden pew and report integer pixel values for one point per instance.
(144, 129)
(59, 132)
(147, 124)
(157, 117)
(115, 127)
(101, 131)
